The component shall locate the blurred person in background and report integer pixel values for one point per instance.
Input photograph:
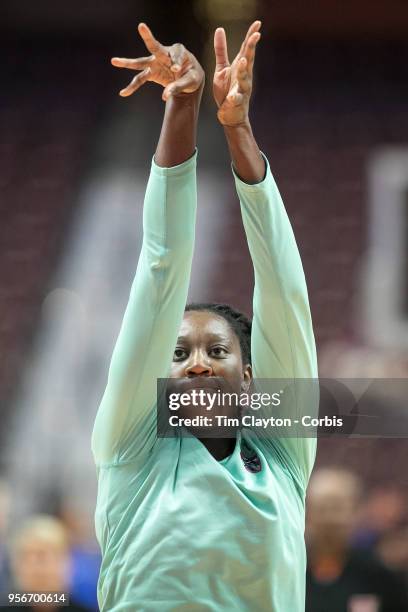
(40, 561)
(340, 577)
(5, 503)
(384, 511)
(392, 549)
(84, 551)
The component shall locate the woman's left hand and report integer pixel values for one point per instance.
(232, 85)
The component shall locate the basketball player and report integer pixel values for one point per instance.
(195, 523)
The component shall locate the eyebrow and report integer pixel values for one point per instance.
(211, 337)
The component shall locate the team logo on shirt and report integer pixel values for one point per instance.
(251, 460)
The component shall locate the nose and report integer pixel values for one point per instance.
(198, 365)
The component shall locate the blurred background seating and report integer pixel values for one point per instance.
(331, 92)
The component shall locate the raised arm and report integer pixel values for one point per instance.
(125, 426)
(283, 345)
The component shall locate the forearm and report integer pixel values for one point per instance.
(281, 305)
(178, 137)
(245, 154)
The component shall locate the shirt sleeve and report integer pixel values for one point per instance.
(283, 345)
(125, 425)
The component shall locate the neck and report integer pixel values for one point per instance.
(219, 448)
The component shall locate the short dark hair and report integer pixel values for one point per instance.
(240, 324)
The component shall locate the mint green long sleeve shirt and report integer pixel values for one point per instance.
(179, 530)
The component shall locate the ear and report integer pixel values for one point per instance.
(246, 377)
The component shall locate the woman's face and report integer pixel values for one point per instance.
(208, 356)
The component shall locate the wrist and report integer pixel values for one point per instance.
(247, 159)
(188, 99)
(242, 127)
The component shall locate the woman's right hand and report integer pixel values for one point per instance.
(173, 67)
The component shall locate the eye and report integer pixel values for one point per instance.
(179, 354)
(218, 351)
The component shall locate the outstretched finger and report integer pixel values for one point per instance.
(221, 50)
(152, 44)
(135, 83)
(249, 51)
(254, 27)
(134, 64)
(189, 82)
